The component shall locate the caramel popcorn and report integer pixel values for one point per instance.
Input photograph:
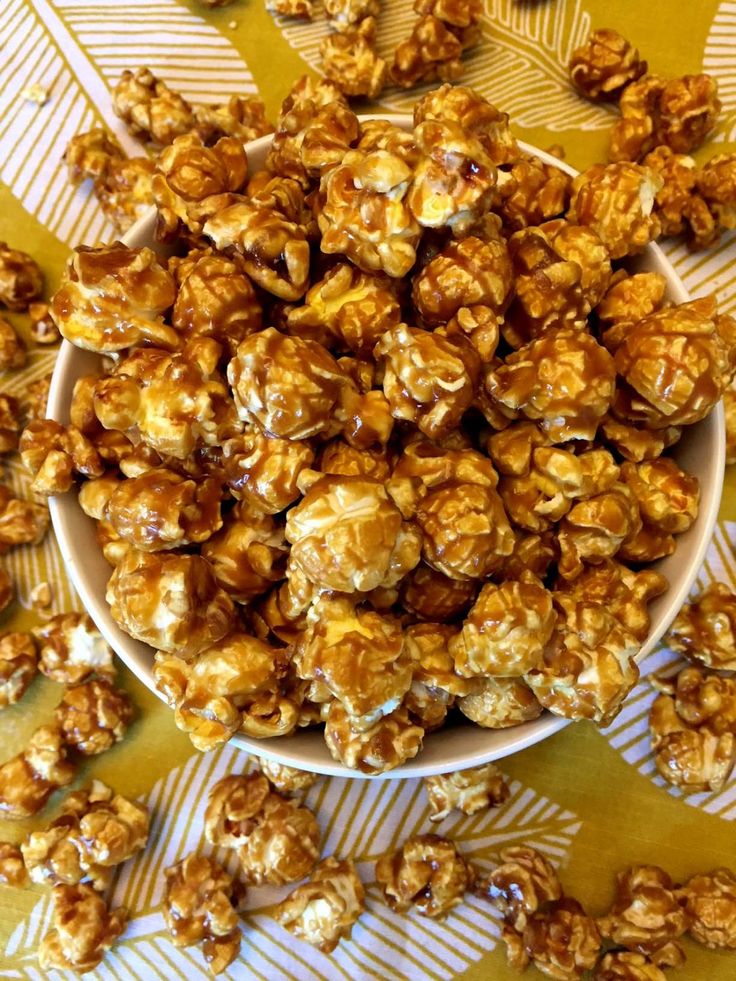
(264, 470)
(12, 868)
(28, 779)
(21, 522)
(350, 60)
(595, 529)
(468, 108)
(71, 649)
(10, 424)
(705, 630)
(627, 966)
(54, 454)
(324, 909)
(43, 329)
(388, 743)
(233, 804)
(36, 397)
(468, 791)
(88, 155)
(709, 903)
(286, 779)
(201, 907)
(716, 186)
(84, 929)
(170, 601)
(283, 846)
(522, 885)
(125, 190)
(427, 874)
(301, 9)
(637, 443)
(646, 915)
(603, 66)
(562, 941)
(431, 595)
(12, 351)
(18, 666)
(631, 298)
(432, 51)
(667, 496)
(345, 14)
(338, 457)
(150, 109)
(21, 281)
(249, 554)
(93, 716)
(617, 201)
(533, 193)
(242, 117)
(496, 703)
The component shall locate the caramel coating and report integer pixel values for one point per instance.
(54, 454)
(323, 910)
(88, 155)
(562, 941)
(637, 443)
(21, 522)
(43, 329)
(431, 595)
(627, 966)
(93, 716)
(435, 683)
(427, 874)
(432, 51)
(300, 9)
(249, 554)
(705, 630)
(10, 423)
(533, 193)
(667, 496)
(469, 109)
(521, 885)
(388, 743)
(18, 666)
(710, 901)
(149, 108)
(344, 14)
(172, 602)
(233, 803)
(497, 703)
(264, 470)
(125, 190)
(603, 66)
(468, 791)
(631, 297)
(83, 929)
(71, 649)
(286, 779)
(350, 60)
(12, 350)
(242, 117)
(595, 529)
(12, 868)
(28, 779)
(21, 280)
(716, 186)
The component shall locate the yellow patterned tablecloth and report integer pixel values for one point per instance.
(589, 799)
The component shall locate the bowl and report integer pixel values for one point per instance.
(701, 451)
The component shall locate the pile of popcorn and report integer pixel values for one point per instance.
(385, 437)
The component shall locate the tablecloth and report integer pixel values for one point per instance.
(589, 799)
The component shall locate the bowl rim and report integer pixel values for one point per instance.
(65, 509)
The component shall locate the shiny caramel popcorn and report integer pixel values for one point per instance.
(170, 601)
(497, 703)
(18, 666)
(264, 470)
(432, 51)
(288, 198)
(617, 201)
(675, 199)
(347, 534)
(351, 61)
(233, 805)
(93, 716)
(338, 457)
(388, 743)
(21, 522)
(21, 281)
(434, 684)
(562, 941)
(506, 630)
(564, 379)
(36, 397)
(646, 915)
(468, 791)
(380, 134)
(83, 929)
(523, 884)
(12, 350)
(595, 529)
(28, 779)
(10, 423)
(282, 843)
(427, 875)
(125, 190)
(300, 9)
(323, 910)
(534, 193)
(716, 186)
(55, 454)
(705, 630)
(114, 297)
(603, 66)
(43, 329)
(710, 901)
(467, 107)
(71, 649)
(201, 907)
(286, 779)
(637, 443)
(431, 595)
(150, 109)
(435, 465)
(88, 155)
(242, 117)
(345, 14)
(365, 215)
(668, 497)
(249, 554)
(631, 298)
(627, 966)
(12, 868)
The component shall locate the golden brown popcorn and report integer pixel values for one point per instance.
(675, 199)
(647, 545)
(12, 350)
(523, 884)
(347, 310)
(201, 907)
(12, 868)
(41, 596)
(350, 60)
(347, 534)
(234, 802)
(603, 66)
(716, 185)
(242, 117)
(468, 791)
(532, 553)
(71, 649)
(125, 190)
(21, 281)
(627, 966)
(249, 555)
(506, 631)
(467, 107)
(286, 196)
(432, 51)
(637, 443)
(337, 457)
(562, 941)
(646, 915)
(21, 522)
(345, 14)
(93, 716)
(631, 298)
(28, 779)
(496, 703)
(667, 495)
(43, 328)
(83, 929)
(264, 470)
(280, 844)
(365, 215)
(88, 155)
(710, 901)
(286, 779)
(150, 109)
(617, 200)
(434, 683)
(114, 297)
(18, 666)
(479, 324)
(436, 464)
(431, 595)
(37, 393)
(596, 528)
(55, 454)
(462, 14)
(564, 379)
(391, 741)
(323, 910)
(301, 9)
(533, 192)
(10, 425)
(170, 601)
(705, 630)
(380, 134)
(427, 875)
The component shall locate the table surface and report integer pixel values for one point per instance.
(588, 798)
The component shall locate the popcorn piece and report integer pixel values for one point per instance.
(249, 554)
(562, 941)
(388, 743)
(631, 298)
(200, 907)
(114, 297)
(324, 909)
(617, 201)
(427, 874)
(150, 109)
(18, 666)
(705, 630)
(84, 929)
(243, 117)
(646, 915)
(496, 703)
(716, 186)
(94, 716)
(125, 190)
(21, 522)
(468, 791)
(595, 529)
(12, 869)
(264, 470)
(350, 60)
(342, 15)
(21, 281)
(12, 351)
(675, 202)
(434, 683)
(10, 426)
(43, 328)
(627, 966)
(522, 885)
(41, 597)
(431, 595)
(603, 66)
(71, 649)
(54, 454)
(637, 443)
(36, 396)
(710, 901)
(28, 779)
(533, 193)
(169, 601)
(466, 107)
(286, 779)
(36, 93)
(667, 495)
(301, 9)
(432, 51)
(234, 804)
(88, 155)
(347, 534)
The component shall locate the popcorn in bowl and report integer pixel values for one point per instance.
(390, 441)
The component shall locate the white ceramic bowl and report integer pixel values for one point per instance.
(701, 451)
